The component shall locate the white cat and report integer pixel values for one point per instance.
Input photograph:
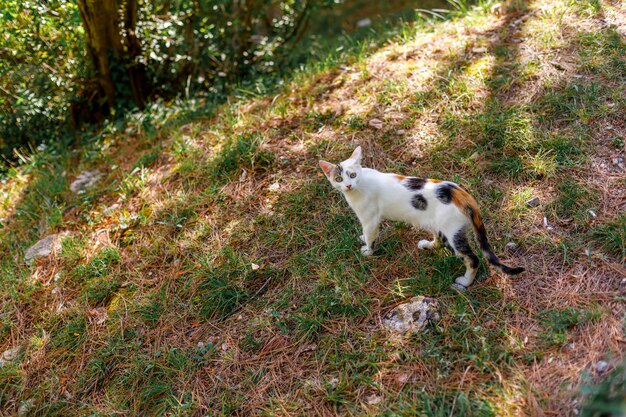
(442, 207)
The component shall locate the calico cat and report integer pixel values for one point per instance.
(442, 207)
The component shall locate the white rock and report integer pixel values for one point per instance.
(375, 123)
(255, 267)
(511, 247)
(479, 50)
(402, 378)
(274, 187)
(11, 354)
(602, 367)
(412, 316)
(85, 180)
(364, 22)
(44, 248)
(373, 399)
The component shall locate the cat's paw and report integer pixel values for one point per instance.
(425, 244)
(463, 281)
(366, 250)
(458, 287)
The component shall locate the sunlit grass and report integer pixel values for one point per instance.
(215, 258)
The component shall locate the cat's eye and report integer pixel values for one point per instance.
(338, 179)
(353, 175)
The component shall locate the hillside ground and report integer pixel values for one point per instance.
(213, 270)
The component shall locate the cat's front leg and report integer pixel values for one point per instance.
(370, 233)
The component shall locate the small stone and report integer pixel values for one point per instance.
(364, 22)
(201, 345)
(255, 267)
(225, 347)
(10, 355)
(373, 399)
(602, 367)
(376, 124)
(274, 187)
(479, 50)
(400, 132)
(412, 316)
(511, 247)
(44, 248)
(85, 180)
(533, 202)
(474, 156)
(402, 378)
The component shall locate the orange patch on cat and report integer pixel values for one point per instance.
(463, 200)
(434, 181)
(400, 177)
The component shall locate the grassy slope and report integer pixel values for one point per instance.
(153, 307)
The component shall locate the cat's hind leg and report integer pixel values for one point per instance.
(429, 244)
(461, 248)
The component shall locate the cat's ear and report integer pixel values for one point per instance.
(356, 155)
(327, 167)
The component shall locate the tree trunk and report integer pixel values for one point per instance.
(110, 41)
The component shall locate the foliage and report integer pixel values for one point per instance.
(188, 47)
(606, 398)
(40, 64)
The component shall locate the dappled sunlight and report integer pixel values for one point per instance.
(215, 262)
(11, 193)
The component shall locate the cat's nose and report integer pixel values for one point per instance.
(349, 187)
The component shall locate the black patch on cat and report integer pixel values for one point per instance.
(419, 202)
(462, 247)
(444, 241)
(339, 169)
(444, 193)
(414, 184)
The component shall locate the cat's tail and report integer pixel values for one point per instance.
(481, 237)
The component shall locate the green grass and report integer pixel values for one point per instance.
(611, 236)
(174, 266)
(559, 323)
(605, 397)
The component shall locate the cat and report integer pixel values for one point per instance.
(442, 207)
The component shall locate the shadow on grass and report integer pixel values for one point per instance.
(287, 304)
